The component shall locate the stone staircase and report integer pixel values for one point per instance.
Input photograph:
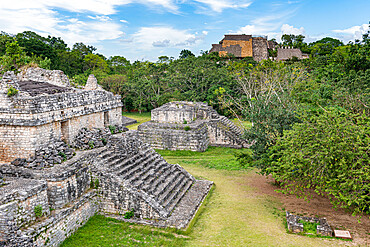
(148, 174)
(230, 131)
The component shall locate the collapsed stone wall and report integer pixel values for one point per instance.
(55, 77)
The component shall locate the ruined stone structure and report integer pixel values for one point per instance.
(242, 45)
(47, 108)
(295, 225)
(285, 53)
(182, 125)
(41, 205)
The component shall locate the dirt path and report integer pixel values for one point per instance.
(239, 213)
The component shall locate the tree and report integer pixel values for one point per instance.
(83, 49)
(15, 55)
(118, 64)
(185, 54)
(94, 61)
(328, 153)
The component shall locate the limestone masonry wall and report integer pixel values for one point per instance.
(202, 127)
(175, 136)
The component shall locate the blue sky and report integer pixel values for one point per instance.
(147, 29)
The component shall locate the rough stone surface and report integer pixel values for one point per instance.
(294, 226)
(55, 77)
(92, 84)
(182, 125)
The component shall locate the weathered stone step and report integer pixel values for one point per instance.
(151, 175)
(172, 201)
(149, 165)
(158, 177)
(116, 167)
(160, 187)
(171, 188)
(137, 170)
(125, 169)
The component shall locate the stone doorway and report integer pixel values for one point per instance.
(106, 119)
(65, 131)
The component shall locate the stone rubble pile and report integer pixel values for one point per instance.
(54, 153)
(96, 137)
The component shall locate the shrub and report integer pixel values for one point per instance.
(91, 144)
(185, 122)
(104, 141)
(129, 214)
(38, 211)
(12, 91)
(112, 129)
(63, 155)
(186, 128)
(328, 153)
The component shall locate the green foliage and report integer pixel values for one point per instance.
(244, 158)
(94, 183)
(187, 128)
(112, 129)
(45, 64)
(185, 122)
(309, 227)
(91, 144)
(104, 141)
(129, 214)
(11, 91)
(185, 54)
(63, 155)
(328, 153)
(38, 211)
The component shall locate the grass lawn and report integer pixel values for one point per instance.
(139, 117)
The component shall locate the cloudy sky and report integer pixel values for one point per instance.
(147, 29)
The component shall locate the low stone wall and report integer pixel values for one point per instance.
(295, 226)
(19, 197)
(175, 136)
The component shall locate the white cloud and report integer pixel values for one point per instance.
(220, 5)
(352, 33)
(287, 29)
(266, 25)
(123, 21)
(102, 7)
(164, 36)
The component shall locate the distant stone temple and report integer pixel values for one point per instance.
(66, 156)
(242, 45)
(286, 53)
(182, 125)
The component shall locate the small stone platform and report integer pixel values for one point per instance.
(182, 125)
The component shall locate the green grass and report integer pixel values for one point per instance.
(139, 117)
(213, 157)
(244, 124)
(309, 227)
(103, 231)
